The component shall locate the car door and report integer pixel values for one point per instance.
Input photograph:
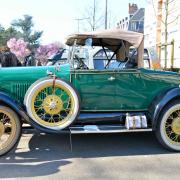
(130, 89)
(107, 90)
(97, 89)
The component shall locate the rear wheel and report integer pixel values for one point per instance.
(168, 129)
(10, 129)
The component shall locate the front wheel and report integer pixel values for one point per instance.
(52, 103)
(10, 129)
(168, 129)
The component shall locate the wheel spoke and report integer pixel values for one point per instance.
(172, 127)
(168, 125)
(171, 117)
(52, 107)
(8, 128)
(177, 113)
(175, 138)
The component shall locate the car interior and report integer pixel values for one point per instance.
(107, 59)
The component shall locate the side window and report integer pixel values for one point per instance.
(100, 60)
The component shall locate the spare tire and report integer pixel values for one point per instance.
(52, 103)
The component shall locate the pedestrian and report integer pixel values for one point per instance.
(8, 59)
(30, 60)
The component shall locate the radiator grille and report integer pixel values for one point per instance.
(19, 90)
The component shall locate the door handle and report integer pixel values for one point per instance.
(111, 78)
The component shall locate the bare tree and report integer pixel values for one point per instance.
(167, 8)
(94, 16)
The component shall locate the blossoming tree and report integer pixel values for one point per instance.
(18, 47)
(45, 51)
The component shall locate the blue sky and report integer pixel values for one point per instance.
(57, 17)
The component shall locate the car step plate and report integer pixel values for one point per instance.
(103, 129)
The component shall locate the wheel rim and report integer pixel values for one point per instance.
(7, 129)
(52, 106)
(172, 127)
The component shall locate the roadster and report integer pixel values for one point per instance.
(121, 96)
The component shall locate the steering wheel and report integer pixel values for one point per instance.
(81, 64)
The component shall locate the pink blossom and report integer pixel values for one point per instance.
(45, 51)
(18, 47)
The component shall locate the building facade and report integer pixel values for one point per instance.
(134, 21)
(154, 30)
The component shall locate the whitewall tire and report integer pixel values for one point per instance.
(53, 104)
(168, 129)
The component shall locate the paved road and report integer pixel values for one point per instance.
(110, 156)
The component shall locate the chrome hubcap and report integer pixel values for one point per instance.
(52, 104)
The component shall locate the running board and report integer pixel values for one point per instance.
(88, 129)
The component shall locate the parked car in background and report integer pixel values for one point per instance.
(150, 57)
(100, 59)
(78, 97)
(58, 58)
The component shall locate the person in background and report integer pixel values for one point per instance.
(30, 60)
(8, 59)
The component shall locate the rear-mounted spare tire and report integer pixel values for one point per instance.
(52, 103)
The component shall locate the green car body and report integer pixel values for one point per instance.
(131, 89)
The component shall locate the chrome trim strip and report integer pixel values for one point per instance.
(80, 130)
(114, 110)
(100, 73)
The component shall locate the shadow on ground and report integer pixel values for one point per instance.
(48, 153)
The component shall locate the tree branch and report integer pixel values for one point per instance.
(171, 1)
(174, 20)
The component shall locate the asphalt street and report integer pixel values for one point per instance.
(109, 156)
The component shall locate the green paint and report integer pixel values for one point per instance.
(131, 90)
(15, 81)
(105, 90)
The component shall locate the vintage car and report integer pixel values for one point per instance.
(78, 98)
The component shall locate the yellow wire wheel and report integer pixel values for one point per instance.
(10, 129)
(170, 127)
(53, 104)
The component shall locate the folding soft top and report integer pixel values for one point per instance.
(105, 38)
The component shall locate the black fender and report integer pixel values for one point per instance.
(160, 101)
(5, 99)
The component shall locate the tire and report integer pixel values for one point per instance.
(10, 129)
(52, 105)
(168, 126)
